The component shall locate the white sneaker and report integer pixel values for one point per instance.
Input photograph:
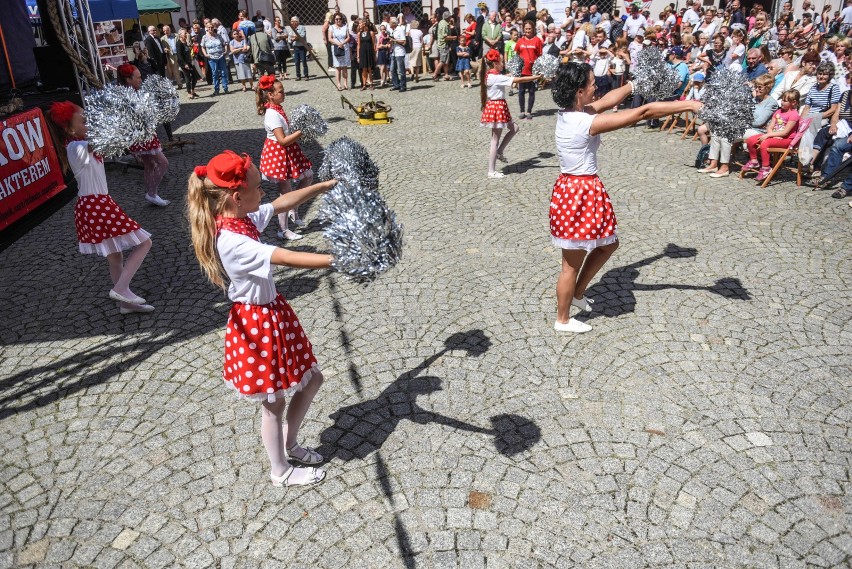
(494, 175)
(157, 200)
(130, 309)
(583, 303)
(289, 235)
(572, 326)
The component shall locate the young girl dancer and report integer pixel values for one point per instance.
(102, 226)
(780, 130)
(582, 222)
(150, 153)
(268, 357)
(495, 112)
(282, 159)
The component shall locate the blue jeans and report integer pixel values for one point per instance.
(398, 68)
(300, 55)
(835, 156)
(219, 70)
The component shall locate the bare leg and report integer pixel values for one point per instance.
(704, 134)
(593, 264)
(572, 260)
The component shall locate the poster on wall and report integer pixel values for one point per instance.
(472, 8)
(556, 9)
(109, 36)
(29, 169)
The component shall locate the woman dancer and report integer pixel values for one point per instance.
(226, 218)
(582, 221)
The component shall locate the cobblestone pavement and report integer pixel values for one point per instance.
(703, 423)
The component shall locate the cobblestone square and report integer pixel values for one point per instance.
(704, 422)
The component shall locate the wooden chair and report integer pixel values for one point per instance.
(671, 121)
(781, 154)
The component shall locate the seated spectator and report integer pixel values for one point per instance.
(713, 57)
(820, 104)
(697, 89)
(780, 131)
(833, 141)
(736, 53)
(801, 79)
(776, 69)
(754, 64)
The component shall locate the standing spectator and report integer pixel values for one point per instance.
(532, 14)
(594, 15)
(338, 38)
(383, 53)
(737, 14)
(509, 48)
(133, 35)
(169, 43)
(491, 34)
(529, 48)
(441, 32)
(600, 62)
(453, 34)
(326, 26)
(463, 62)
(354, 74)
(296, 36)
(240, 51)
(281, 48)
(692, 16)
(441, 10)
(366, 54)
(476, 47)
(414, 60)
(635, 24)
(155, 51)
(262, 53)
(215, 50)
(398, 56)
(186, 63)
(245, 25)
(221, 30)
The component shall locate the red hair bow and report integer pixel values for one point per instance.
(266, 82)
(62, 112)
(201, 171)
(492, 55)
(125, 70)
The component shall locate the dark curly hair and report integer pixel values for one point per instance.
(570, 78)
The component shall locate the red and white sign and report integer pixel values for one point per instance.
(29, 169)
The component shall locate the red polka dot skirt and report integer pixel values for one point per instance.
(581, 215)
(103, 228)
(283, 162)
(267, 354)
(496, 114)
(151, 147)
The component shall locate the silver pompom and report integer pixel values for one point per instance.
(653, 78)
(165, 97)
(515, 66)
(362, 232)
(546, 65)
(117, 118)
(348, 160)
(309, 121)
(728, 104)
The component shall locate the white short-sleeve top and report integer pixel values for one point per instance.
(578, 150)
(88, 170)
(272, 120)
(497, 86)
(248, 262)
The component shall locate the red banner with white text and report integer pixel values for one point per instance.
(29, 169)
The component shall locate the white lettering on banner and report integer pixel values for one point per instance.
(30, 139)
(17, 152)
(31, 132)
(25, 177)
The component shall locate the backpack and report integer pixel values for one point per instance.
(409, 43)
(702, 156)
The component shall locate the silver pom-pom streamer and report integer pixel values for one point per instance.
(361, 230)
(309, 121)
(728, 104)
(165, 97)
(117, 118)
(347, 160)
(515, 66)
(546, 65)
(653, 78)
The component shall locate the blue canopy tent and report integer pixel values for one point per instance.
(104, 10)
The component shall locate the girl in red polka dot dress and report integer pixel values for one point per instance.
(582, 221)
(281, 160)
(102, 226)
(495, 112)
(268, 356)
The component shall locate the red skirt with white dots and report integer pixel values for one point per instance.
(151, 147)
(267, 354)
(496, 114)
(103, 228)
(283, 162)
(581, 215)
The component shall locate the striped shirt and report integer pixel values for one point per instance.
(819, 101)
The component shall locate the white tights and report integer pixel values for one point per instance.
(286, 186)
(122, 271)
(156, 166)
(497, 147)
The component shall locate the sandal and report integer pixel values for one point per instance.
(840, 194)
(308, 456)
(316, 476)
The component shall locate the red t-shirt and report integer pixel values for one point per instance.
(530, 50)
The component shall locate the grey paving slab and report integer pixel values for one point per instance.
(703, 423)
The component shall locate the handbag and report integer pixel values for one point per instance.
(409, 44)
(339, 51)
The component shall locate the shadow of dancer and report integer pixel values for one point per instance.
(363, 428)
(622, 282)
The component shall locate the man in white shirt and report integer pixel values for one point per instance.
(846, 14)
(600, 60)
(635, 24)
(693, 15)
(169, 43)
(397, 56)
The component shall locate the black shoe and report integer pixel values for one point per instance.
(298, 78)
(841, 193)
(403, 90)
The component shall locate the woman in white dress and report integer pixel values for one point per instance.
(338, 38)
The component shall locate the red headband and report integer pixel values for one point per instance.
(266, 82)
(492, 55)
(62, 112)
(226, 170)
(125, 70)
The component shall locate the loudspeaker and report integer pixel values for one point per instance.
(55, 68)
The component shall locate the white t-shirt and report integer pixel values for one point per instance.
(399, 34)
(577, 149)
(671, 21)
(416, 39)
(633, 25)
(272, 120)
(846, 14)
(88, 170)
(729, 60)
(600, 63)
(248, 262)
(691, 17)
(497, 86)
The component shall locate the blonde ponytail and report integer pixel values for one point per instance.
(204, 202)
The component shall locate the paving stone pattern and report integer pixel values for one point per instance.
(703, 423)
